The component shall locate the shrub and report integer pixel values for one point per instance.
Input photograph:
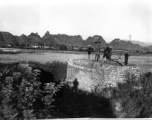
(20, 94)
(134, 97)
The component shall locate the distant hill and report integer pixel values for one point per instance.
(23, 39)
(91, 40)
(149, 48)
(63, 39)
(35, 37)
(7, 38)
(1, 39)
(149, 43)
(121, 44)
(140, 43)
(72, 40)
(32, 39)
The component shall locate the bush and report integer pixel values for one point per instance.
(133, 98)
(20, 94)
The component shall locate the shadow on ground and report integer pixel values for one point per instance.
(70, 102)
(74, 104)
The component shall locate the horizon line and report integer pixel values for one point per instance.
(78, 35)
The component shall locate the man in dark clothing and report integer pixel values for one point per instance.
(107, 53)
(89, 51)
(110, 53)
(126, 57)
(104, 53)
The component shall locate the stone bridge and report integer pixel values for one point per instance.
(90, 74)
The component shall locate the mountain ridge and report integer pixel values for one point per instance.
(63, 39)
(143, 44)
(127, 45)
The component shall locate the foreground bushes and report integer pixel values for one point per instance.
(21, 96)
(133, 98)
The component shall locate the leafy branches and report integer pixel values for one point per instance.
(21, 96)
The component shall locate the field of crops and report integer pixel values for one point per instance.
(143, 61)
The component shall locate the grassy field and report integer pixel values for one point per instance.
(43, 56)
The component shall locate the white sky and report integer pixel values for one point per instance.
(109, 18)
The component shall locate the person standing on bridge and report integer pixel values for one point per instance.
(97, 50)
(126, 57)
(110, 53)
(89, 51)
(107, 53)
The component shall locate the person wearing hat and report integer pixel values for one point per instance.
(89, 51)
(97, 50)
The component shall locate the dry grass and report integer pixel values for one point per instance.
(145, 62)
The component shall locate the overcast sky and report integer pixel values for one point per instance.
(109, 18)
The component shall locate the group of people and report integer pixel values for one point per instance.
(107, 53)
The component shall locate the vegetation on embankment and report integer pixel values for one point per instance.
(133, 98)
(22, 95)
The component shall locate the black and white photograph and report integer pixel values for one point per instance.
(67, 59)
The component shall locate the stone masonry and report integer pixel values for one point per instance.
(90, 74)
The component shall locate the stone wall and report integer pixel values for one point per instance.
(90, 74)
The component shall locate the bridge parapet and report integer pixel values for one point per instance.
(90, 74)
